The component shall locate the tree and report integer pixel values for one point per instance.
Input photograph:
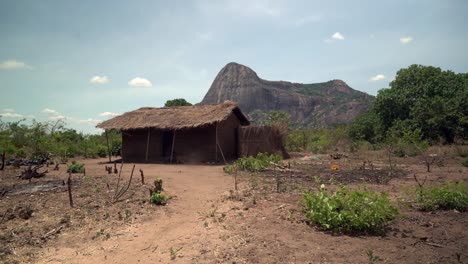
(423, 98)
(177, 102)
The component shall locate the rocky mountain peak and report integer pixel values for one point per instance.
(315, 105)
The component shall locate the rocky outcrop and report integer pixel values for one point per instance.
(314, 105)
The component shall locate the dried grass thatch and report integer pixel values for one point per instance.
(174, 118)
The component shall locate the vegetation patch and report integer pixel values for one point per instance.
(158, 198)
(254, 164)
(449, 196)
(349, 211)
(76, 167)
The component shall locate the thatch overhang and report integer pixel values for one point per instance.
(174, 118)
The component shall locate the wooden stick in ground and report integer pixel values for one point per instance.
(118, 179)
(142, 177)
(277, 180)
(70, 197)
(124, 190)
(3, 160)
(235, 177)
(108, 147)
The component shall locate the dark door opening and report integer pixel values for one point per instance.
(167, 139)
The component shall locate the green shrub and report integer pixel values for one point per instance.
(349, 210)
(158, 198)
(256, 164)
(76, 167)
(229, 169)
(102, 152)
(448, 196)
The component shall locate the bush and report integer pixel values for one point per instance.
(254, 164)
(76, 167)
(446, 197)
(158, 198)
(349, 210)
(102, 152)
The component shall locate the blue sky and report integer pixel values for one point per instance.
(85, 61)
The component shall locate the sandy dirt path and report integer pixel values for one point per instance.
(180, 224)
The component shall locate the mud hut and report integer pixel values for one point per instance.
(185, 134)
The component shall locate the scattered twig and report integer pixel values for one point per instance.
(434, 245)
(53, 232)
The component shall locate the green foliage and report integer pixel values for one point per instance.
(158, 198)
(177, 102)
(253, 164)
(448, 196)
(270, 118)
(318, 140)
(406, 142)
(423, 98)
(40, 139)
(76, 167)
(349, 210)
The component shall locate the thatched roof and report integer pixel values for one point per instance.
(174, 117)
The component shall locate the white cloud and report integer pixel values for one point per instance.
(11, 115)
(406, 40)
(378, 77)
(13, 65)
(140, 82)
(338, 36)
(108, 114)
(58, 117)
(89, 121)
(50, 111)
(99, 79)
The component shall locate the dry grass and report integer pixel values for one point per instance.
(175, 117)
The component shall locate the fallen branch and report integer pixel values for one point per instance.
(53, 232)
(434, 245)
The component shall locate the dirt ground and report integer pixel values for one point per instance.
(207, 221)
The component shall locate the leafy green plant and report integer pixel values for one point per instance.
(76, 167)
(158, 198)
(450, 195)
(349, 210)
(254, 164)
(174, 252)
(372, 257)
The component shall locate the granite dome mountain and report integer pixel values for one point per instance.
(313, 105)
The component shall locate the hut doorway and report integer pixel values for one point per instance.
(167, 144)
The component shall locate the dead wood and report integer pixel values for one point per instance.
(3, 160)
(31, 172)
(53, 232)
(142, 177)
(70, 197)
(119, 193)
